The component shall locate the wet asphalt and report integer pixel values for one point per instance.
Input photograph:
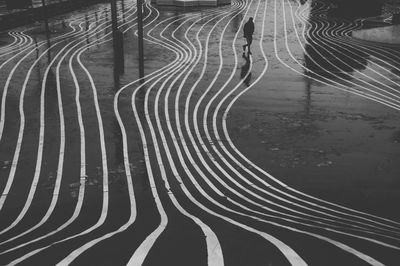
(124, 169)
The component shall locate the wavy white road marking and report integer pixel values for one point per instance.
(184, 64)
(331, 43)
(28, 45)
(215, 130)
(200, 138)
(167, 119)
(16, 39)
(41, 143)
(82, 179)
(22, 122)
(341, 89)
(217, 135)
(221, 144)
(335, 83)
(241, 93)
(314, 43)
(215, 256)
(132, 218)
(4, 95)
(21, 40)
(141, 252)
(284, 185)
(287, 251)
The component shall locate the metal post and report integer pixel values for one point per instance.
(45, 15)
(117, 39)
(140, 37)
(114, 21)
(123, 10)
(47, 29)
(87, 28)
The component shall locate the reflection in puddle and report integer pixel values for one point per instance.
(352, 9)
(245, 70)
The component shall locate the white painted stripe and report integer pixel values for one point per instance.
(5, 90)
(21, 40)
(215, 130)
(83, 171)
(178, 127)
(165, 145)
(13, 44)
(291, 255)
(247, 170)
(215, 256)
(37, 173)
(2, 120)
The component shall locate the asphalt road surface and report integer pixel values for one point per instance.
(286, 156)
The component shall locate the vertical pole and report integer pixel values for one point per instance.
(106, 14)
(140, 37)
(114, 22)
(36, 47)
(97, 23)
(37, 57)
(114, 26)
(118, 40)
(123, 9)
(87, 28)
(47, 29)
(45, 15)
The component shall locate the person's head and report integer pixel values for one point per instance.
(251, 19)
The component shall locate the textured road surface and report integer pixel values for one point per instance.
(104, 170)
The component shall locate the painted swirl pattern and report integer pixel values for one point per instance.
(175, 189)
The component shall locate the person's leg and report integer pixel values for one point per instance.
(246, 45)
(249, 41)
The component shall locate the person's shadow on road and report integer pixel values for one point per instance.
(244, 73)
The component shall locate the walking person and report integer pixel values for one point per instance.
(248, 31)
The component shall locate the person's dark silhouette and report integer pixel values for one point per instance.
(248, 31)
(244, 73)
